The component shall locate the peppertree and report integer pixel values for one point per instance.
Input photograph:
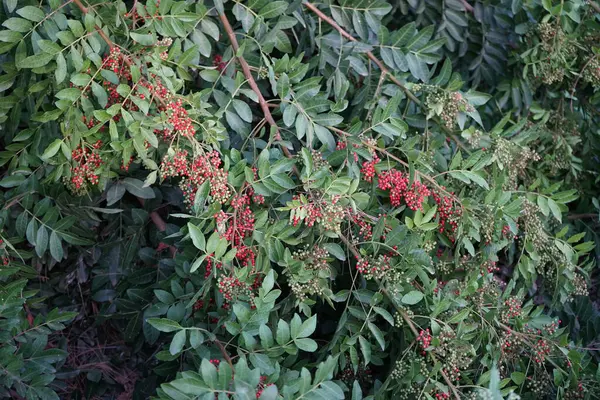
(283, 199)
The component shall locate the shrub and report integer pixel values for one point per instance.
(298, 200)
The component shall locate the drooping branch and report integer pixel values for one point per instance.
(381, 66)
(403, 314)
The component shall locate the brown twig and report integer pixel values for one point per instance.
(105, 37)
(248, 74)
(79, 4)
(583, 216)
(405, 317)
(379, 64)
(467, 6)
(594, 5)
(224, 352)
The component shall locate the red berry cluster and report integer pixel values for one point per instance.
(209, 266)
(261, 386)
(179, 119)
(490, 267)
(85, 172)
(512, 309)
(341, 145)
(442, 395)
(219, 63)
(397, 183)
(362, 265)
(231, 288)
(310, 213)
(364, 227)
(424, 339)
(511, 344)
(195, 173)
(368, 168)
(238, 225)
(507, 233)
(373, 270)
(542, 350)
(448, 212)
(215, 362)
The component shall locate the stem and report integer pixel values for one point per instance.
(404, 316)
(224, 352)
(467, 6)
(79, 4)
(248, 74)
(382, 67)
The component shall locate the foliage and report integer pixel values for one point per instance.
(276, 199)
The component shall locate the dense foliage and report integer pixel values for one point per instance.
(294, 200)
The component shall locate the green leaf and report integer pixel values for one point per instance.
(81, 79)
(365, 348)
(36, 61)
(51, 150)
(18, 25)
(178, 342)
(308, 327)
(283, 333)
(11, 37)
(31, 13)
(197, 236)
(283, 87)
(273, 9)
(41, 241)
(136, 188)
(412, 297)
(325, 137)
(332, 391)
(209, 373)
(242, 109)
(61, 68)
(377, 334)
(518, 377)
(385, 314)
(335, 250)
(163, 296)
(555, 210)
(478, 179)
(356, 391)
(143, 39)
(308, 345)
(56, 249)
(164, 325)
(12, 181)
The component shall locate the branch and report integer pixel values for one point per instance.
(79, 4)
(248, 74)
(224, 352)
(467, 6)
(405, 317)
(382, 67)
(594, 5)
(161, 225)
(583, 216)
